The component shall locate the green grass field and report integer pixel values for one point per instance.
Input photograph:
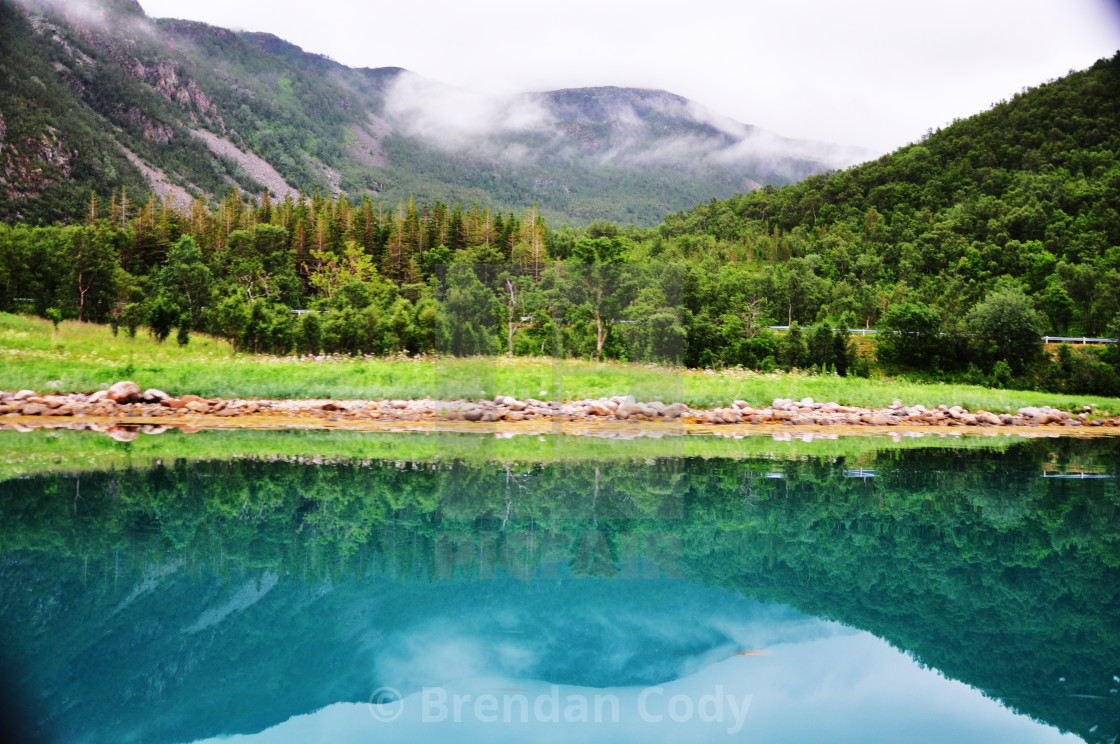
(82, 357)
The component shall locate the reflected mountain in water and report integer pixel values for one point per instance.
(195, 599)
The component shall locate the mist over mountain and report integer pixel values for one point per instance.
(96, 96)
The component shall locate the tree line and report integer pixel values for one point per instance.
(967, 247)
(365, 279)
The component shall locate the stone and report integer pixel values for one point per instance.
(33, 409)
(674, 410)
(196, 406)
(152, 395)
(984, 417)
(626, 410)
(23, 395)
(124, 391)
(599, 408)
(472, 414)
(104, 408)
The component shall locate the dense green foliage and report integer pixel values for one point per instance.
(962, 249)
(1022, 201)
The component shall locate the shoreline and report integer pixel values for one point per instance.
(129, 429)
(123, 411)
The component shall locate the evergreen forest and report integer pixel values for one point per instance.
(963, 250)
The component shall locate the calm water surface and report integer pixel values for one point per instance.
(844, 592)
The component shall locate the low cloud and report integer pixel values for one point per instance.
(611, 126)
(456, 119)
(92, 14)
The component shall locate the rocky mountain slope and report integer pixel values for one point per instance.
(97, 96)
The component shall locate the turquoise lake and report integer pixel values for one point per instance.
(287, 587)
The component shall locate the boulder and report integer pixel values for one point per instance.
(123, 392)
(674, 410)
(599, 408)
(152, 395)
(23, 395)
(626, 410)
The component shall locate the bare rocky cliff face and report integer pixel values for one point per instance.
(30, 165)
(115, 97)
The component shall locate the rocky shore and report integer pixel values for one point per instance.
(125, 400)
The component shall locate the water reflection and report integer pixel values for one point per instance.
(835, 595)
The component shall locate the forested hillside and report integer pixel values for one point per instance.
(1005, 224)
(963, 249)
(96, 96)
(1028, 191)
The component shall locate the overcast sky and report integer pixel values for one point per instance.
(875, 73)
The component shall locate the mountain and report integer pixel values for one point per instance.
(97, 96)
(1023, 199)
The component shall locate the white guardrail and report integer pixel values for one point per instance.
(1045, 339)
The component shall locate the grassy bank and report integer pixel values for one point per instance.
(81, 357)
